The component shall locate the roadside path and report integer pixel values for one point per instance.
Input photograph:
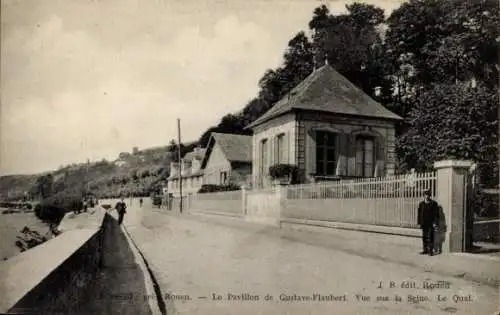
(196, 259)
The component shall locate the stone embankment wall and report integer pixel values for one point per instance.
(54, 277)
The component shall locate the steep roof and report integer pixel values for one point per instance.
(326, 90)
(236, 148)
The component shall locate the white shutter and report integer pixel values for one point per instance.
(341, 155)
(310, 154)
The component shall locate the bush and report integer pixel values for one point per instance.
(54, 208)
(283, 171)
(486, 205)
(218, 188)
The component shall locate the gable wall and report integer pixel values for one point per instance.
(216, 163)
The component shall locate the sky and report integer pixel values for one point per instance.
(92, 78)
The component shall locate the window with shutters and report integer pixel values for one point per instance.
(326, 153)
(281, 153)
(365, 156)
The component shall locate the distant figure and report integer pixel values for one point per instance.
(140, 202)
(121, 209)
(428, 220)
(85, 205)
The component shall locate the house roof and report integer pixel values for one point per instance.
(326, 90)
(236, 148)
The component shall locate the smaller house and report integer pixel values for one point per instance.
(228, 160)
(189, 169)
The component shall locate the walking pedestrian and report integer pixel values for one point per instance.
(140, 202)
(85, 205)
(428, 220)
(121, 209)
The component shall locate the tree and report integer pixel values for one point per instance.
(44, 185)
(352, 43)
(205, 137)
(274, 84)
(134, 176)
(173, 150)
(452, 121)
(425, 29)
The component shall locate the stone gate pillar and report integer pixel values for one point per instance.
(451, 194)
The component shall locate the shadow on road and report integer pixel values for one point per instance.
(119, 287)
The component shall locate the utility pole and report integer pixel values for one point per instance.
(180, 162)
(88, 165)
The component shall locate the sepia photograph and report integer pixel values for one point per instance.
(298, 157)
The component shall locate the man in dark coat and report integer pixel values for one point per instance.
(121, 209)
(428, 219)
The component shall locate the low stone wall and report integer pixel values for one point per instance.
(53, 277)
(263, 206)
(229, 202)
(225, 206)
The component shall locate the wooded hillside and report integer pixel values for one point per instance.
(433, 62)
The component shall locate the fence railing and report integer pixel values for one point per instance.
(389, 201)
(401, 186)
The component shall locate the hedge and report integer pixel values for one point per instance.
(218, 188)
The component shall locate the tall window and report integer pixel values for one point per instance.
(365, 156)
(325, 153)
(281, 154)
